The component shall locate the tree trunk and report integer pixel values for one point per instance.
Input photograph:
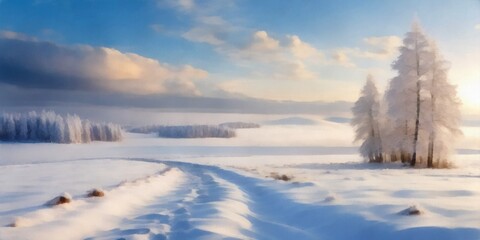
(377, 154)
(417, 119)
(380, 147)
(430, 152)
(393, 157)
(417, 123)
(403, 156)
(432, 119)
(380, 157)
(431, 138)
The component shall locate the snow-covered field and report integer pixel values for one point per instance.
(221, 188)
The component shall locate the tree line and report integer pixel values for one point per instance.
(47, 126)
(419, 117)
(223, 130)
(195, 131)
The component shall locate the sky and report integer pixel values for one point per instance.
(204, 52)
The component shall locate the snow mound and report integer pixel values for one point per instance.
(96, 192)
(330, 198)
(411, 211)
(62, 199)
(278, 176)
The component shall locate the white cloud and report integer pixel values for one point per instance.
(132, 73)
(264, 55)
(268, 57)
(180, 5)
(260, 47)
(234, 86)
(294, 70)
(206, 24)
(157, 28)
(383, 48)
(203, 35)
(263, 43)
(208, 29)
(477, 27)
(16, 36)
(300, 49)
(186, 4)
(341, 58)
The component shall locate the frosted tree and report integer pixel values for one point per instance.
(32, 125)
(22, 127)
(442, 109)
(50, 127)
(195, 131)
(404, 93)
(58, 131)
(366, 121)
(42, 127)
(423, 108)
(9, 126)
(86, 131)
(77, 127)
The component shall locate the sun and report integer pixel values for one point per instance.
(470, 95)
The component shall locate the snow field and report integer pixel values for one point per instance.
(84, 216)
(221, 188)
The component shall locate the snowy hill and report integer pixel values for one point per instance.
(292, 121)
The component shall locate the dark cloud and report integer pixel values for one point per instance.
(17, 97)
(29, 63)
(36, 73)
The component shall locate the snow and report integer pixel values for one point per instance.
(84, 216)
(221, 188)
(292, 121)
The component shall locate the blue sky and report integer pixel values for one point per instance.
(271, 49)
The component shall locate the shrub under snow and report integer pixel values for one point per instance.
(51, 127)
(195, 131)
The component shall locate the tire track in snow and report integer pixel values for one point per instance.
(214, 204)
(203, 207)
(84, 217)
(246, 210)
(271, 214)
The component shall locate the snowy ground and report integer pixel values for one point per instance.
(221, 188)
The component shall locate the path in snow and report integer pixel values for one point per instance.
(215, 203)
(207, 202)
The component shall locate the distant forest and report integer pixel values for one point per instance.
(47, 126)
(224, 130)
